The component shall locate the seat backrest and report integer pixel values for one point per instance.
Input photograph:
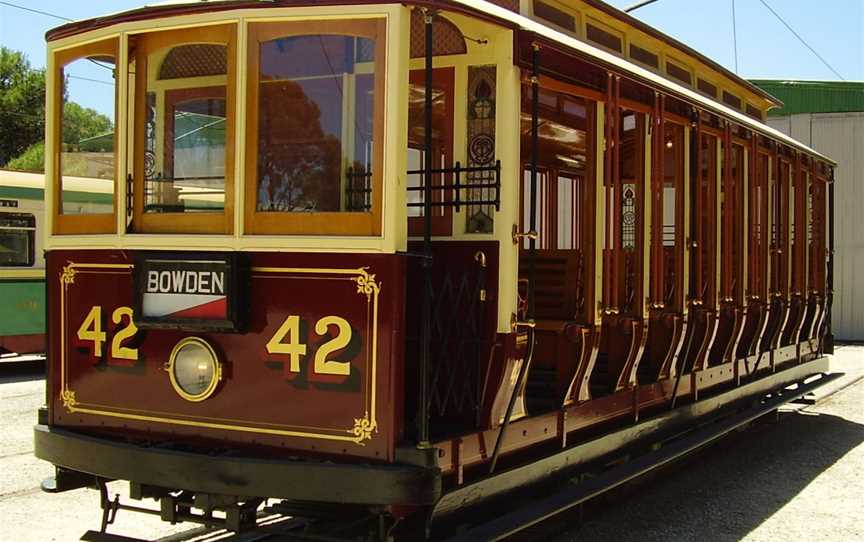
(558, 274)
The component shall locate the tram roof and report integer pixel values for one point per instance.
(488, 9)
(580, 46)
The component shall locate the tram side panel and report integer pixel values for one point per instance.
(315, 364)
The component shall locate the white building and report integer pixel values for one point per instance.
(829, 117)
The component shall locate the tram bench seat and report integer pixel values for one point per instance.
(556, 360)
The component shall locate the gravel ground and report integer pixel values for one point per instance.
(27, 514)
(799, 478)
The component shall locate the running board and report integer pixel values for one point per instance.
(538, 511)
(96, 536)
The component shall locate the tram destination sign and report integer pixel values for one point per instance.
(194, 292)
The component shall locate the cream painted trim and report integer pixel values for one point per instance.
(263, 243)
(790, 226)
(769, 226)
(28, 273)
(121, 129)
(718, 220)
(807, 177)
(685, 283)
(241, 87)
(600, 222)
(50, 148)
(507, 138)
(744, 291)
(647, 185)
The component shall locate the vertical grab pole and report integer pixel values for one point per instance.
(426, 331)
(532, 215)
(532, 247)
(829, 283)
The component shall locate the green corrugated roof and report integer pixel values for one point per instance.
(814, 96)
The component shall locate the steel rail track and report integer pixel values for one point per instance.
(524, 515)
(578, 492)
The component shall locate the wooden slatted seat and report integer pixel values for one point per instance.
(558, 331)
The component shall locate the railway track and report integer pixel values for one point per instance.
(527, 517)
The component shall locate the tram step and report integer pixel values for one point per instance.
(97, 536)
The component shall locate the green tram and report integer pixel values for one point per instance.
(22, 265)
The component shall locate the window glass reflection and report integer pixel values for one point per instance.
(315, 124)
(186, 120)
(87, 155)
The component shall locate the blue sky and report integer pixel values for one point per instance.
(766, 49)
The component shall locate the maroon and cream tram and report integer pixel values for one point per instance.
(409, 257)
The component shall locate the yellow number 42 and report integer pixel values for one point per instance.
(91, 330)
(286, 341)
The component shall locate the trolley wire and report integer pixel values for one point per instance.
(643, 3)
(735, 36)
(812, 50)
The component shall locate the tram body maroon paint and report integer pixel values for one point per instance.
(259, 401)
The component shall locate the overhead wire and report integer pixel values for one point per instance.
(735, 33)
(60, 17)
(735, 36)
(812, 50)
(11, 5)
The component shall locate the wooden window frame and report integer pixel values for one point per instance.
(727, 98)
(555, 15)
(643, 52)
(609, 31)
(198, 222)
(759, 276)
(657, 248)
(704, 221)
(325, 223)
(679, 68)
(701, 82)
(94, 223)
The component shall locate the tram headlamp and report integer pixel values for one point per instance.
(194, 369)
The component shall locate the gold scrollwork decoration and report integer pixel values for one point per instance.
(366, 283)
(363, 428)
(69, 401)
(68, 275)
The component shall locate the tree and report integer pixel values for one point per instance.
(22, 114)
(32, 159)
(81, 123)
(22, 104)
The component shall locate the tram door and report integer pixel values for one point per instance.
(564, 170)
(461, 329)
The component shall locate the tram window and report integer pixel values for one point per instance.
(183, 157)
(17, 239)
(569, 199)
(314, 136)
(632, 170)
(705, 220)
(86, 158)
(729, 206)
(673, 171)
(563, 161)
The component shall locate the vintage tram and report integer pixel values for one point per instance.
(410, 257)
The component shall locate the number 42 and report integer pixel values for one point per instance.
(286, 341)
(91, 330)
